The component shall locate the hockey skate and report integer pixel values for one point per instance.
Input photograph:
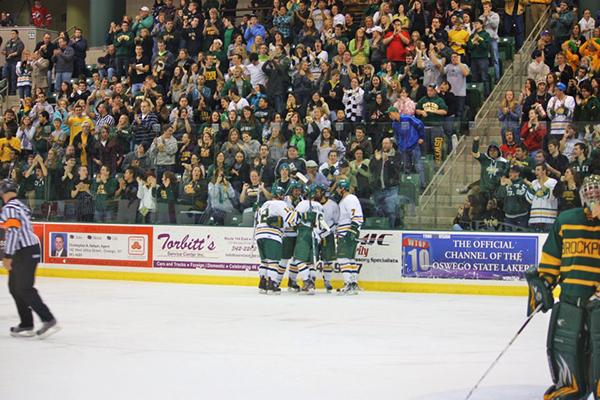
(17, 331)
(293, 286)
(347, 290)
(262, 285)
(309, 287)
(48, 328)
(273, 287)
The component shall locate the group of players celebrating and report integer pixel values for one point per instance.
(303, 225)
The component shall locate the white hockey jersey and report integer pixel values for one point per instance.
(331, 214)
(350, 211)
(273, 208)
(290, 230)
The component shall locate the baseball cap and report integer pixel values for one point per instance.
(391, 109)
(545, 33)
(144, 8)
(561, 86)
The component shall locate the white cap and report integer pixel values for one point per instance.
(144, 8)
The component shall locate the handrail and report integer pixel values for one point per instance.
(482, 114)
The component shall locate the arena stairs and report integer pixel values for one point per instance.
(437, 206)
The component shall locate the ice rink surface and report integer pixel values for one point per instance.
(131, 340)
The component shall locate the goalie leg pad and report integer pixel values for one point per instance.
(594, 344)
(566, 353)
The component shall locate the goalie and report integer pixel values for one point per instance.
(571, 259)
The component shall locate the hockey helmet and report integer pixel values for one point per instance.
(294, 184)
(311, 190)
(8, 185)
(277, 191)
(344, 184)
(590, 190)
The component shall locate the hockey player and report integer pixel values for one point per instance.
(292, 199)
(310, 225)
(351, 218)
(272, 218)
(571, 259)
(331, 214)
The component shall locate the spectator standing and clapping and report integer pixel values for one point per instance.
(13, 51)
(80, 46)
(63, 60)
(543, 202)
(385, 175)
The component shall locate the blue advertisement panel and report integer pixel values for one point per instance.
(461, 256)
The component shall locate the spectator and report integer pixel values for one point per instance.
(456, 75)
(508, 148)
(543, 202)
(568, 142)
(63, 60)
(409, 133)
(80, 46)
(142, 21)
(566, 191)
(253, 193)
(124, 48)
(40, 16)
(512, 193)
(103, 190)
(535, 11)
(84, 201)
(220, 197)
(166, 199)
(560, 110)
(164, 150)
(385, 170)
(509, 114)
(24, 70)
(144, 123)
(479, 45)
(533, 133)
(562, 21)
(147, 194)
(253, 30)
(396, 42)
(432, 109)
(493, 167)
(581, 164)
(537, 69)
(491, 21)
(39, 72)
(515, 24)
(13, 51)
(587, 24)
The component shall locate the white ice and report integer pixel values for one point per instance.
(131, 340)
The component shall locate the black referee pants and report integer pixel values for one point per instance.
(20, 284)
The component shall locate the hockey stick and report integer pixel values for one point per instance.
(537, 309)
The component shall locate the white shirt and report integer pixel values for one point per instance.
(257, 76)
(587, 27)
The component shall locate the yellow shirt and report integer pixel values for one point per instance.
(458, 40)
(5, 148)
(74, 123)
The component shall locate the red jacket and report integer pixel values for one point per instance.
(533, 139)
(508, 150)
(41, 17)
(396, 49)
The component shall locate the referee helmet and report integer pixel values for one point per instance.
(7, 185)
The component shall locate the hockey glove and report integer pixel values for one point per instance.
(540, 291)
(275, 222)
(354, 228)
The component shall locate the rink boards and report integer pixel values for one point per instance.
(403, 261)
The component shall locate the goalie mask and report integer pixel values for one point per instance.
(590, 190)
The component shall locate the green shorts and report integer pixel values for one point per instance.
(289, 242)
(303, 251)
(346, 246)
(269, 249)
(328, 248)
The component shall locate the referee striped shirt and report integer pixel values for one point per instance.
(16, 220)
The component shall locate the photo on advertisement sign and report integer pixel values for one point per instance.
(59, 247)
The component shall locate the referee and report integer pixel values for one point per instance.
(21, 257)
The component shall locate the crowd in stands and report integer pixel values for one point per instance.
(550, 133)
(196, 108)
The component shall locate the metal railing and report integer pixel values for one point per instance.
(484, 120)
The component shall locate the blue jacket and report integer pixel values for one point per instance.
(407, 131)
(252, 32)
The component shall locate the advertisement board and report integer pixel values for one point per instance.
(468, 256)
(114, 245)
(379, 255)
(205, 248)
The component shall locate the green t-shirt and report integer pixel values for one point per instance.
(104, 192)
(432, 104)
